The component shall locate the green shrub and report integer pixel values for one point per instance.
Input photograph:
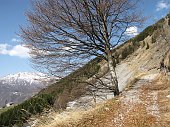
(168, 16)
(130, 49)
(148, 31)
(147, 46)
(46, 98)
(21, 112)
(124, 53)
(153, 39)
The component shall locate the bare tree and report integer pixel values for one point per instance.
(64, 34)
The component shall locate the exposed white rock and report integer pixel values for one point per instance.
(168, 96)
(100, 95)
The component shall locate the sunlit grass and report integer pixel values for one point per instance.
(5, 109)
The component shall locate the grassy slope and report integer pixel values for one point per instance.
(134, 114)
(46, 98)
(5, 109)
(68, 88)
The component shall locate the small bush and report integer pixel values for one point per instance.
(153, 39)
(169, 21)
(124, 53)
(130, 49)
(148, 31)
(168, 16)
(147, 46)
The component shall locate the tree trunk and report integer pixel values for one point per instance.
(110, 59)
(112, 73)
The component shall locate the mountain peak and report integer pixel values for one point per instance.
(27, 76)
(21, 86)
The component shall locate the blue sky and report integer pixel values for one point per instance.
(14, 57)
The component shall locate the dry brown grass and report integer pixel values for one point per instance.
(159, 84)
(90, 118)
(138, 118)
(162, 86)
(103, 115)
(164, 100)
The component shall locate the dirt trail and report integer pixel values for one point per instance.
(137, 107)
(135, 100)
(124, 73)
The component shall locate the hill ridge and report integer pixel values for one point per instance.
(142, 47)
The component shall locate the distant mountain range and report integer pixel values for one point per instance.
(18, 87)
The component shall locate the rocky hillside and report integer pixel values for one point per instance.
(143, 79)
(140, 61)
(145, 104)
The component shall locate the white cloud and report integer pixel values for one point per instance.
(132, 31)
(16, 40)
(18, 50)
(162, 5)
(3, 48)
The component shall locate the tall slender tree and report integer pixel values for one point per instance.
(64, 34)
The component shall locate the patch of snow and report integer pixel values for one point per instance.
(24, 78)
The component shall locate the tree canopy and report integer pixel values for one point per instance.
(64, 34)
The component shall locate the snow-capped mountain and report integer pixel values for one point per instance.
(18, 87)
(23, 78)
